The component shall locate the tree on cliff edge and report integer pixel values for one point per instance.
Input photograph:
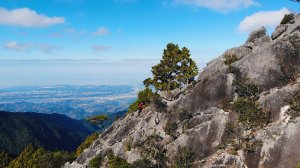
(98, 120)
(174, 70)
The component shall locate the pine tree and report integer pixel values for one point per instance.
(98, 120)
(174, 70)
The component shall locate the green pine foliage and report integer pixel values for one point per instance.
(34, 157)
(249, 113)
(152, 149)
(246, 89)
(294, 111)
(184, 158)
(128, 144)
(287, 18)
(5, 159)
(117, 162)
(143, 96)
(98, 120)
(87, 142)
(148, 97)
(143, 163)
(174, 70)
(95, 162)
(230, 58)
(171, 129)
(148, 82)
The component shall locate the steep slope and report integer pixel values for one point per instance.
(51, 131)
(264, 75)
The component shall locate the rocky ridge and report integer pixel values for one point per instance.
(199, 117)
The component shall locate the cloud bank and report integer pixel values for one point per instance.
(24, 17)
(21, 47)
(263, 18)
(15, 46)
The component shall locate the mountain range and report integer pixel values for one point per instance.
(50, 131)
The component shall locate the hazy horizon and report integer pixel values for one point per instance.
(16, 73)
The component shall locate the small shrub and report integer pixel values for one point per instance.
(252, 147)
(246, 89)
(229, 128)
(171, 129)
(234, 149)
(185, 115)
(222, 146)
(95, 162)
(184, 157)
(143, 163)
(233, 152)
(230, 58)
(287, 18)
(153, 150)
(148, 97)
(160, 156)
(143, 96)
(249, 113)
(128, 144)
(117, 162)
(185, 126)
(87, 142)
(288, 70)
(232, 69)
(295, 106)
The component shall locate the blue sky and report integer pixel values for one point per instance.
(129, 29)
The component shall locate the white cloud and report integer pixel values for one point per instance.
(263, 18)
(25, 17)
(45, 48)
(220, 5)
(100, 48)
(15, 46)
(101, 31)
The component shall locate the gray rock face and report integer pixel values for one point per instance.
(273, 64)
(256, 35)
(279, 31)
(171, 95)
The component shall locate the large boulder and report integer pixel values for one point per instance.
(259, 33)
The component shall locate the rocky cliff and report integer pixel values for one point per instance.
(243, 112)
